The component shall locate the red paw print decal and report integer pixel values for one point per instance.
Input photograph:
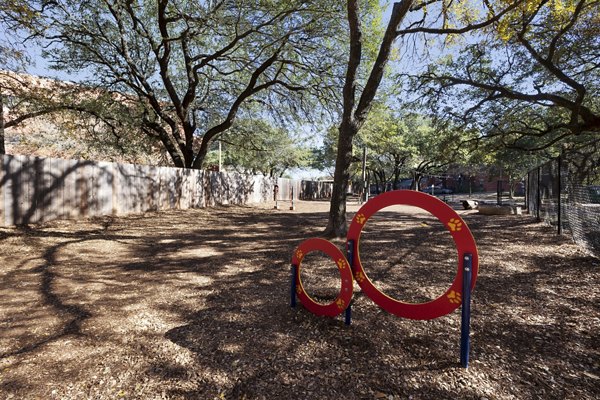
(455, 225)
(360, 218)
(359, 276)
(454, 297)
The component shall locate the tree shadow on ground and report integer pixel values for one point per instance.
(208, 290)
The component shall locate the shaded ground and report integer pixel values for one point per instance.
(194, 305)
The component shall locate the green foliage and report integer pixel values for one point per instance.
(49, 117)
(195, 67)
(259, 147)
(15, 16)
(531, 83)
(400, 144)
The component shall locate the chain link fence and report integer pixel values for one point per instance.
(565, 192)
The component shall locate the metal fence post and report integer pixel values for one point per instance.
(559, 159)
(465, 328)
(293, 286)
(539, 197)
(527, 188)
(350, 253)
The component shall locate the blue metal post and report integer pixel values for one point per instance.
(350, 253)
(466, 310)
(348, 315)
(293, 286)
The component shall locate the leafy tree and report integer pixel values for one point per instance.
(532, 81)
(440, 17)
(388, 152)
(68, 120)
(12, 54)
(194, 67)
(80, 120)
(434, 147)
(14, 16)
(355, 111)
(497, 160)
(323, 157)
(259, 147)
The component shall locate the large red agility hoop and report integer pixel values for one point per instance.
(465, 244)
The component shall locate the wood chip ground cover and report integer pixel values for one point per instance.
(194, 305)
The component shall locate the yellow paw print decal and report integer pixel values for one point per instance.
(360, 218)
(359, 276)
(299, 255)
(454, 297)
(341, 304)
(455, 225)
(341, 263)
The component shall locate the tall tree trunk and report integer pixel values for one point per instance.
(418, 177)
(376, 179)
(384, 180)
(337, 225)
(200, 155)
(354, 114)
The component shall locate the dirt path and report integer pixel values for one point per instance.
(194, 305)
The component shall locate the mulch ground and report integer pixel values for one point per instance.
(195, 305)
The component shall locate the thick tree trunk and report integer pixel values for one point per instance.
(397, 171)
(201, 155)
(384, 180)
(377, 183)
(355, 114)
(416, 181)
(337, 225)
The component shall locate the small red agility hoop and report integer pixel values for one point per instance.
(463, 239)
(345, 295)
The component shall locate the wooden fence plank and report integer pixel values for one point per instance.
(141, 174)
(104, 187)
(94, 200)
(58, 174)
(151, 188)
(115, 189)
(70, 179)
(11, 182)
(199, 189)
(83, 189)
(125, 190)
(37, 189)
(21, 192)
(44, 189)
(54, 189)
(137, 189)
(5, 182)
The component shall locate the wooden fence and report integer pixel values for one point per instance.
(34, 190)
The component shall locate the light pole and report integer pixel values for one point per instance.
(364, 175)
(220, 164)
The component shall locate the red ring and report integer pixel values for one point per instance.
(345, 295)
(463, 240)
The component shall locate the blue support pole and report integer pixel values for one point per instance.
(350, 253)
(348, 315)
(293, 286)
(466, 310)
